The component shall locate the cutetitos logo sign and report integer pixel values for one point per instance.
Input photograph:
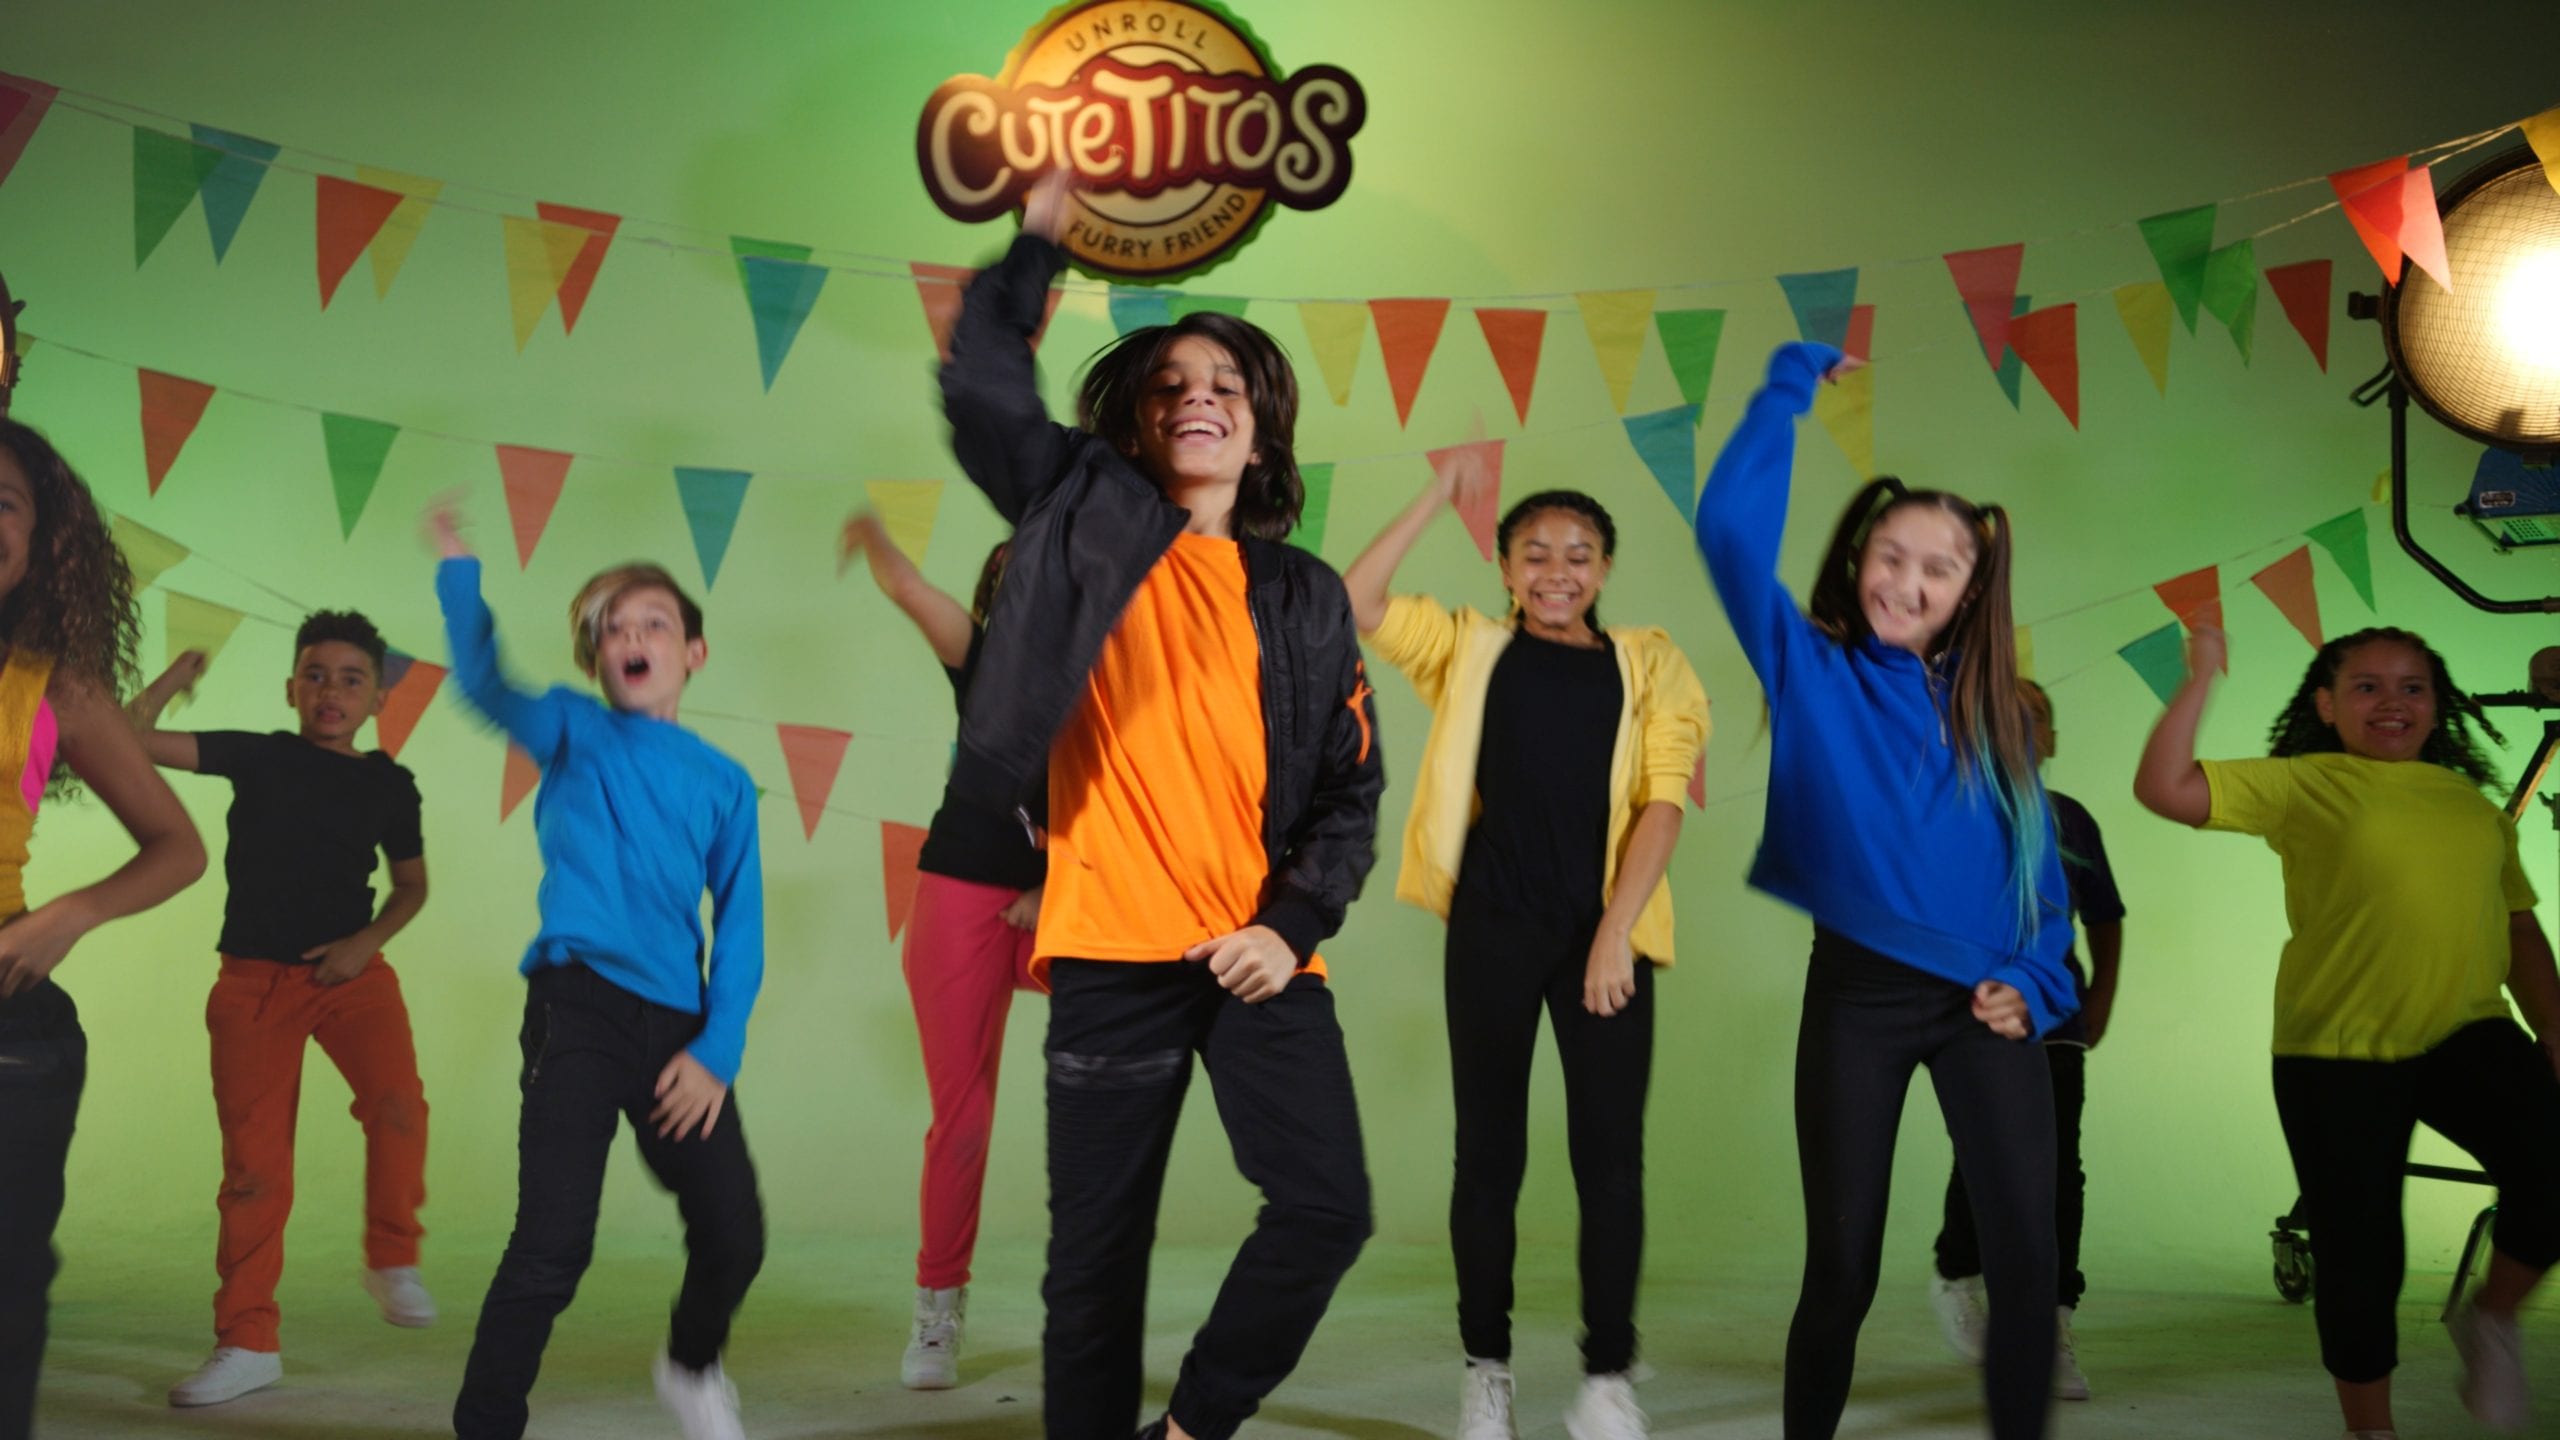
(1179, 134)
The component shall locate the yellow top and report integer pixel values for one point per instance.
(1449, 656)
(2399, 877)
(22, 684)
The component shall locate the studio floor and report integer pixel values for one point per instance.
(815, 1353)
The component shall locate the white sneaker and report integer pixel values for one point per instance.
(403, 1298)
(704, 1403)
(932, 1360)
(2492, 1351)
(1484, 1403)
(229, 1373)
(2068, 1382)
(1962, 1317)
(1605, 1410)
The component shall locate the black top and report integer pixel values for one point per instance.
(2094, 900)
(304, 825)
(1540, 843)
(972, 842)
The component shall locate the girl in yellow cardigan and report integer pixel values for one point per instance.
(1543, 818)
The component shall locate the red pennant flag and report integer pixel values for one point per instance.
(518, 781)
(1514, 337)
(582, 271)
(1860, 342)
(814, 754)
(350, 215)
(1407, 330)
(939, 286)
(2377, 222)
(170, 409)
(22, 106)
(2288, 583)
(2048, 340)
(2303, 290)
(403, 703)
(2195, 597)
(1698, 785)
(1988, 281)
(900, 848)
(533, 479)
(1481, 511)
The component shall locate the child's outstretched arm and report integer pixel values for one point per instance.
(98, 742)
(1000, 431)
(943, 621)
(472, 635)
(1742, 512)
(173, 748)
(1371, 576)
(2169, 782)
(695, 1084)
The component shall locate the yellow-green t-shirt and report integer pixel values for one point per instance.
(2399, 877)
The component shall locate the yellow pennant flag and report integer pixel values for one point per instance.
(1616, 321)
(1334, 328)
(539, 254)
(1847, 409)
(147, 552)
(2026, 653)
(906, 509)
(2542, 132)
(194, 624)
(390, 248)
(2145, 309)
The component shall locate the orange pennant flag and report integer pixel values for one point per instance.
(1478, 505)
(814, 754)
(2421, 232)
(533, 479)
(350, 215)
(901, 846)
(939, 287)
(170, 409)
(403, 703)
(2195, 597)
(1407, 331)
(1514, 337)
(581, 276)
(2288, 583)
(2048, 340)
(517, 782)
(2377, 220)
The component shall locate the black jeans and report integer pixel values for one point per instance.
(592, 1053)
(1502, 970)
(1869, 1021)
(44, 1058)
(1121, 1037)
(1960, 1246)
(2486, 1088)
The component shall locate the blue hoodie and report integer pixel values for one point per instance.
(1871, 826)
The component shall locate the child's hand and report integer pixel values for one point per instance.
(2208, 653)
(442, 525)
(863, 534)
(687, 1093)
(1253, 964)
(2001, 1007)
(1044, 210)
(341, 960)
(2094, 1014)
(1609, 977)
(33, 943)
(1024, 913)
(180, 678)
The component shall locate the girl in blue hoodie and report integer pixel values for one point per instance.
(1905, 815)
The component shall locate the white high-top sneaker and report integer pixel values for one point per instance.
(402, 1296)
(704, 1403)
(1484, 1403)
(1606, 1410)
(2068, 1382)
(1962, 1316)
(227, 1374)
(932, 1361)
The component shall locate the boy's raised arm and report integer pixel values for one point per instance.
(1000, 430)
(471, 633)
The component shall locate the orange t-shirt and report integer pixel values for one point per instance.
(1156, 784)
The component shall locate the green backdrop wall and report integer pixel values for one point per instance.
(1512, 149)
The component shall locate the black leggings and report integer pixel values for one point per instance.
(1868, 1022)
(1960, 1248)
(43, 1064)
(2486, 1088)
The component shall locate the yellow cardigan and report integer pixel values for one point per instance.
(1449, 657)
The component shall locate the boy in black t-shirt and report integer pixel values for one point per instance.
(301, 960)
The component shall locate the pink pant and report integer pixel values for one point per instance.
(963, 964)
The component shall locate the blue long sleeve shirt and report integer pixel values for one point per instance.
(636, 818)
(1871, 827)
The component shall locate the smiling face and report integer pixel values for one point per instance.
(334, 689)
(17, 522)
(642, 655)
(1913, 575)
(1195, 421)
(1554, 568)
(2383, 701)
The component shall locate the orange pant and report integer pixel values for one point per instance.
(260, 1015)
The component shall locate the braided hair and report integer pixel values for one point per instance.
(1572, 502)
(2299, 730)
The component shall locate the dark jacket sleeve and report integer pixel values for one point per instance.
(1337, 840)
(1000, 430)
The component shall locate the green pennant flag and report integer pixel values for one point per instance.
(2160, 658)
(2011, 369)
(781, 289)
(1689, 340)
(357, 449)
(711, 499)
(232, 183)
(1133, 308)
(2180, 241)
(1667, 442)
(2344, 538)
(168, 170)
(2231, 291)
(1308, 535)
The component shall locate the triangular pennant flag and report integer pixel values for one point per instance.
(2180, 240)
(1689, 339)
(1334, 328)
(2303, 290)
(711, 499)
(2195, 597)
(232, 183)
(2026, 643)
(1847, 409)
(1481, 513)
(147, 553)
(1821, 300)
(195, 624)
(2160, 658)
(391, 246)
(1860, 343)
(516, 781)
(814, 754)
(581, 274)
(939, 287)
(2422, 226)
(168, 173)
(533, 479)
(356, 449)
(170, 409)
(2231, 292)
(1988, 281)
(2144, 308)
(781, 290)
(901, 847)
(409, 683)
(2011, 371)
(2288, 583)
(539, 256)
(1184, 304)
(2343, 536)
(2369, 196)
(906, 509)
(1615, 320)
(2542, 132)
(1514, 337)
(1667, 442)
(22, 106)
(2048, 340)
(1136, 308)
(1308, 535)
(349, 217)
(1407, 331)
